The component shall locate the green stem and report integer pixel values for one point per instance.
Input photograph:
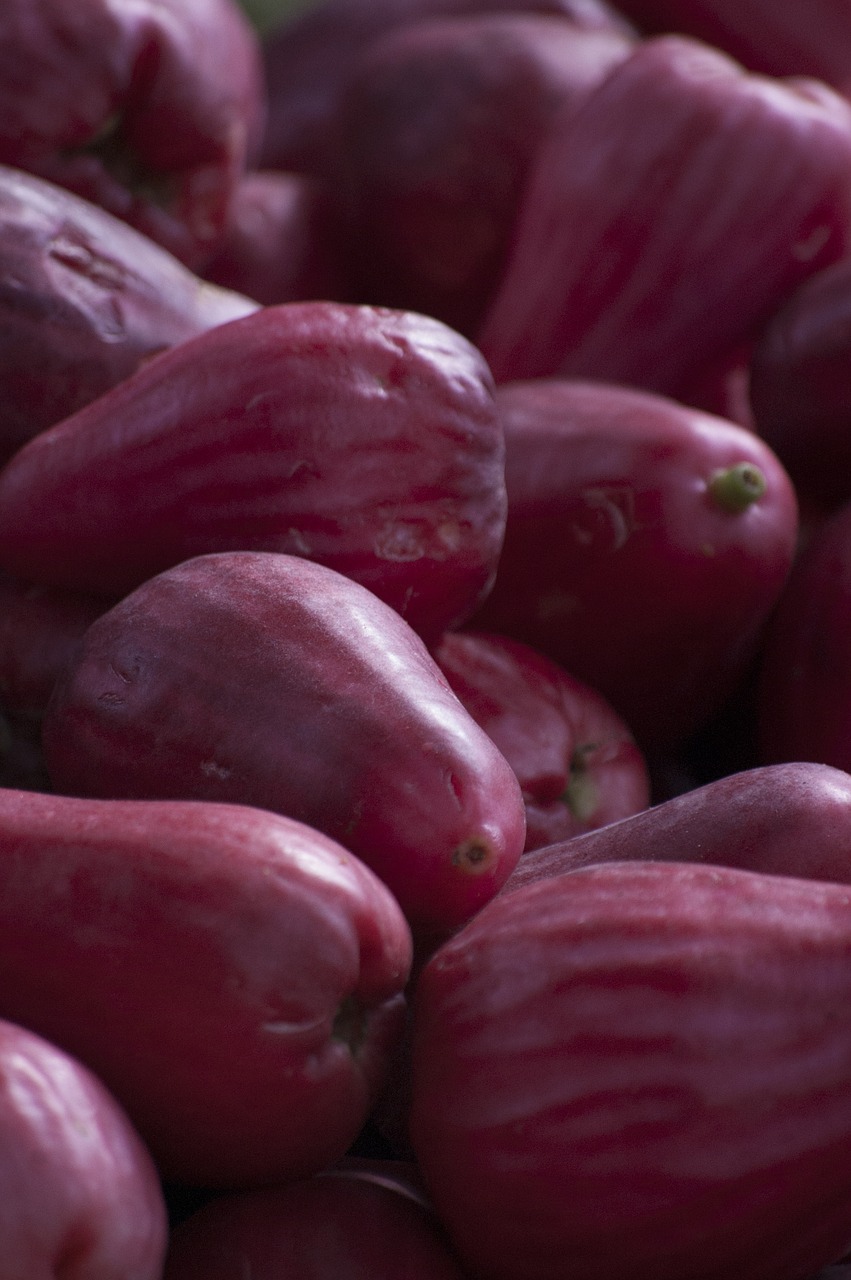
(738, 487)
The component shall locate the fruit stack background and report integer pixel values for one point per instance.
(425, 640)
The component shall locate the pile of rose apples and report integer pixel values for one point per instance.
(425, 641)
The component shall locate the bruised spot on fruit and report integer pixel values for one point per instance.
(736, 488)
(350, 1023)
(399, 542)
(474, 856)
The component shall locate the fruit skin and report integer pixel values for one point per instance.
(619, 561)
(576, 760)
(435, 133)
(664, 222)
(811, 38)
(235, 978)
(265, 679)
(80, 1198)
(307, 60)
(803, 703)
(641, 1069)
(791, 819)
(361, 437)
(152, 110)
(799, 386)
(84, 300)
(281, 243)
(358, 1220)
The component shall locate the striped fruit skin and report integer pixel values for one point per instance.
(661, 223)
(641, 1069)
(363, 438)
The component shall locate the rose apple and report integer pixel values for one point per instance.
(151, 109)
(663, 222)
(84, 300)
(363, 1220)
(641, 1069)
(791, 819)
(646, 544)
(427, 197)
(308, 58)
(268, 680)
(577, 762)
(235, 978)
(363, 438)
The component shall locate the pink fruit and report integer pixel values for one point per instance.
(234, 977)
(576, 760)
(80, 1198)
(646, 544)
(662, 223)
(151, 109)
(265, 679)
(362, 438)
(641, 1069)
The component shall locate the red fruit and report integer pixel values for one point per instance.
(641, 1069)
(362, 438)
(645, 547)
(576, 760)
(356, 1221)
(308, 59)
(40, 628)
(804, 690)
(790, 819)
(79, 1195)
(235, 978)
(800, 385)
(150, 109)
(434, 135)
(798, 37)
(264, 679)
(84, 300)
(281, 243)
(662, 223)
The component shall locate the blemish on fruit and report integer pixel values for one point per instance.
(474, 856)
(211, 769)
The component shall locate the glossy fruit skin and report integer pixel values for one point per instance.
(268, 680)
(361, 437)
(620, 563)
(789, 819)
(435, 133)
(804, 680)
(642, 1069)
(84, 300)
(799, 386)
(234, 978)
(355, 1221)
(308, 58)
(577, 762)
(152, 110)
(664, 222)
(80, 1198)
